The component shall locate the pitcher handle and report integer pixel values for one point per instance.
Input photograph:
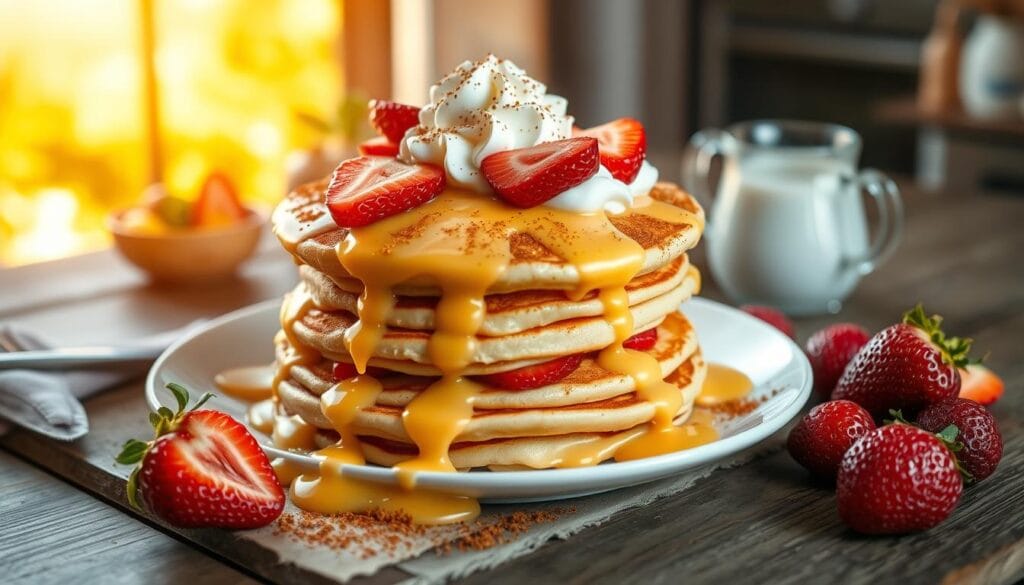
(697, 157)
(886, 195)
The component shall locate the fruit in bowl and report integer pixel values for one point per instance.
(174, 240)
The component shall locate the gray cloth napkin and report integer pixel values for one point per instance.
(48, 402)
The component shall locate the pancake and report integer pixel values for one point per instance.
(305, 228)
(536, 452)
(324, 331)
(614, 414)
(590, 382)
(507, 313)
(588, 413)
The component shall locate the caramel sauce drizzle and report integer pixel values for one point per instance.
(249, 383)
(723, 384)
(461, 241)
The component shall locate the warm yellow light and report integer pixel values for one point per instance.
(51, 232)
(232, 76)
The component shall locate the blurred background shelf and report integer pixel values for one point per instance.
(903, 110)
(957, 151)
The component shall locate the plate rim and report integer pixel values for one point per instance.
(625, 473)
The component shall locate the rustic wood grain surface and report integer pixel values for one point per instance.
(762, 522)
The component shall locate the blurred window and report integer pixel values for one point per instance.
(232, 75)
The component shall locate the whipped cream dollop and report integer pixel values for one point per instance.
(605, 192)
(489, 106)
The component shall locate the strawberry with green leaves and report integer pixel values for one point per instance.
(899, 479)
(982, 444)
(202, 469)
(906, 366)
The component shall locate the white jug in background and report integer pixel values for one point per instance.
(787, 226)
(992, 68)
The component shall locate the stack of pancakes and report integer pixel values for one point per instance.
(579, 420)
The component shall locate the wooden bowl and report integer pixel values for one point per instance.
(191, 255)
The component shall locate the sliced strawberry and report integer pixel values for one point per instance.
(623, 145)
(980, 384)
(534, 376)
(642, 341)
(527, 177)
(367, 189)
(392, 119)
(379, 146)
(218, 203)
(203, 469)
(343, 371)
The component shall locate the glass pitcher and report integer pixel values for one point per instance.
(787, 227)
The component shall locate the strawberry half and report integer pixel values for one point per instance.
(534, 376)
(642, 341)
(527, 177)
(623, 146)
(905, 367)
(379, 146)
(980, 384)
(392, 119)
(218, 203)
(367, 189)
(203, 469)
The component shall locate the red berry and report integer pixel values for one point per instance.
(344, 370)
(642, 341)
(379, 146)
(527, 177)
(830, 350)
(218, 203)
(623, 146)
(391, 119)
(367, 189)
(982, 443)
(771, 316)
(904, 367)
(823, 435)
(980, 384)
(203, 470)
(897, 479)
(534, 376)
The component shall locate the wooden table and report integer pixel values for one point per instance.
(963, 255)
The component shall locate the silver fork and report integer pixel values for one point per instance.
(18, 355)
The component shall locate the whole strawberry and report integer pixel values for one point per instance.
(897, 479)
(905, 367)
(203, 469)
(823, 435)
(982, 444)
(830, 350)
(771, 316)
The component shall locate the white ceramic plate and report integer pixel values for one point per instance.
(726, 336)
